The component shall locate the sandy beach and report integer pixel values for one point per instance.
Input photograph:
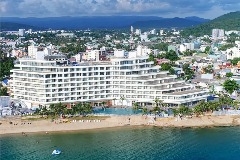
(20, 125)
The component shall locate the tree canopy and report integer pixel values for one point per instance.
(229, 21)
(230, 86)
(235, 60)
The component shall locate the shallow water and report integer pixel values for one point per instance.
(128, 143)
(116, 111)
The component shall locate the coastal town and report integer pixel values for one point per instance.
(155, 72)
(119, 80)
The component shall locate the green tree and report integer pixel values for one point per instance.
(229, 74)
(151, 57)
(234, 61)
(207, 49)
(57, 109)
(208, 69)
(172, 56)
(6, 64)
(3, 91)
(225, 47)
(144, 110)
(122, 98)
(188, 72)
(135, 107)
(230, 86)
(165, 66)
(184, 110)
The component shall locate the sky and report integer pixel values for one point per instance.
(163, 8)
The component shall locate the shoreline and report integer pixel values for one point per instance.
(20, 126)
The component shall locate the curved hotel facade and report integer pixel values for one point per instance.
(120, 81)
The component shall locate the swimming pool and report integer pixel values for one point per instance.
(116, 111)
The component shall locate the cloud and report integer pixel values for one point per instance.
(164, 8)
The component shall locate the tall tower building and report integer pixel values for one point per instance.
(217, 34)
(132, 29)
(21, 32)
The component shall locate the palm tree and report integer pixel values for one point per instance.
(57, 109)
(135, 106)
(78, 109)
(198, 110)
(87, 108)
(235, 104)
(122, 98)
(224, 100)
(157, 103)
(144, 110)
(60, 108)
(175, 111)
(103, 103)
(114, 100)
(213, 106)
(184, 110)
(156, 100)
(52, 109)
(44, 111)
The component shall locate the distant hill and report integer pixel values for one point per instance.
(11, 26)
(84, 22)
(197, 19)
(102, 22)
(229, 21)
(167, 23)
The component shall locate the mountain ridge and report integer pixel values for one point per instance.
(229, 21)
(96, 22)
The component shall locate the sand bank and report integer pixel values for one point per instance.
(19, 126)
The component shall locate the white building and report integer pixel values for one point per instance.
(138, 32)
(233, 52)
(34, 51)
(217, 34)
(21, 32)
(53, 80)
(153, 31)
(186, 46)
(161, 32)
(131, 29)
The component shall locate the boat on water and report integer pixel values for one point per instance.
(56, 152)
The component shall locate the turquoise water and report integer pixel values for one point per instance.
(150, 143)
(117, 111)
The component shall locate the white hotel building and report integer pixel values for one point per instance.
(53, 79)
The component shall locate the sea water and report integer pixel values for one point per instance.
(127, 143)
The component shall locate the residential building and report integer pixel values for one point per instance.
(233, 52)
(217, 34)
(138, 32)
(120, 81)
(21, 32)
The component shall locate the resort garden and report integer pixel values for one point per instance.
(61, 110)
(159, 108)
